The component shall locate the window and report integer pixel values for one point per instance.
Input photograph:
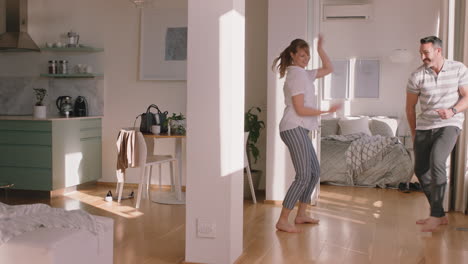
(337, 82)
(352, 78)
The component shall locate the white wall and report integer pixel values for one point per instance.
(287, 20)
(396, 24)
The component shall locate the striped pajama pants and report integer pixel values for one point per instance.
(305, 164)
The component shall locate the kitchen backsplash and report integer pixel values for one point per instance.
(17, 95)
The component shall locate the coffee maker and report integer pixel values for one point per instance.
(81, 106)
(64, 105)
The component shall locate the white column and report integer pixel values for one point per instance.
(287, 20)
(215, 114)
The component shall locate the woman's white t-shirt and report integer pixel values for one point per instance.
(299, 81)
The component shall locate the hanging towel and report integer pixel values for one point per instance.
(127, 153)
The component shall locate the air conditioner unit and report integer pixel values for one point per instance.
(346, 12)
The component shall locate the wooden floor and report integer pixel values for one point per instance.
(358, 225)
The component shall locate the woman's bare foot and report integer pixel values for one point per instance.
(287, 227)
(306, 220)
(431, 224)
(423, 221)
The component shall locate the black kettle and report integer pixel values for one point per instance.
(64, 105)
(81, 106)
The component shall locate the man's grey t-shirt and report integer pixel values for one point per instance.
(438, 92)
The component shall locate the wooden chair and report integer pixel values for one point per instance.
(146, 161)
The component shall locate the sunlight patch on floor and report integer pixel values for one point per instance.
(112, 207)
(360, 200)
(347, 205)
(332, 214)
(378, 204)
(342, 197)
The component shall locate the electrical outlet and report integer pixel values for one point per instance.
(206, 228)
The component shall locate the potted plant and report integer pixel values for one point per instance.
(253, 125)
(176, 124)
(39, 107)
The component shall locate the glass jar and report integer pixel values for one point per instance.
(52, 67)
(63, 67)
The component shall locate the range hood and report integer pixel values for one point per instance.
(14, 25)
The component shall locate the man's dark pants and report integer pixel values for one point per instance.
(431, 150)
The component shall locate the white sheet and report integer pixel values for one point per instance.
(18, 219)
(60, 245)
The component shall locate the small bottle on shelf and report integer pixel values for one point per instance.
(52, 67)
(63, 68)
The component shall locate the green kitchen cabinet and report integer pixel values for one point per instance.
(51, 154)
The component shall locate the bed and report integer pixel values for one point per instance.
(364, 152)
(39, 234)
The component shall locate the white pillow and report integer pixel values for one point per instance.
(329, 127)
(351, 126)
(384, 126)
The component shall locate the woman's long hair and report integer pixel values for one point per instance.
(285, 58)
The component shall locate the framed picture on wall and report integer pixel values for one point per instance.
(163, 44)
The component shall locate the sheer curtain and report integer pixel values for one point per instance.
(460, 187)
(453, 30)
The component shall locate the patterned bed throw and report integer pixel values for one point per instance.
(363, 148)
(370, 160)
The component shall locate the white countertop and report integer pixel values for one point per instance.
(49, 118)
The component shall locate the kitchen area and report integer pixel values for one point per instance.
(114, 94)
(61, 145)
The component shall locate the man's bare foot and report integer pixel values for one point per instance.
(306, 220)
(423, 221)
(287, 227)
(431, 224)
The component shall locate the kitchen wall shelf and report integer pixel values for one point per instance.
(79, 49)
(73, 75)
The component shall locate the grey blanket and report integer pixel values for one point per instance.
(362, 160)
